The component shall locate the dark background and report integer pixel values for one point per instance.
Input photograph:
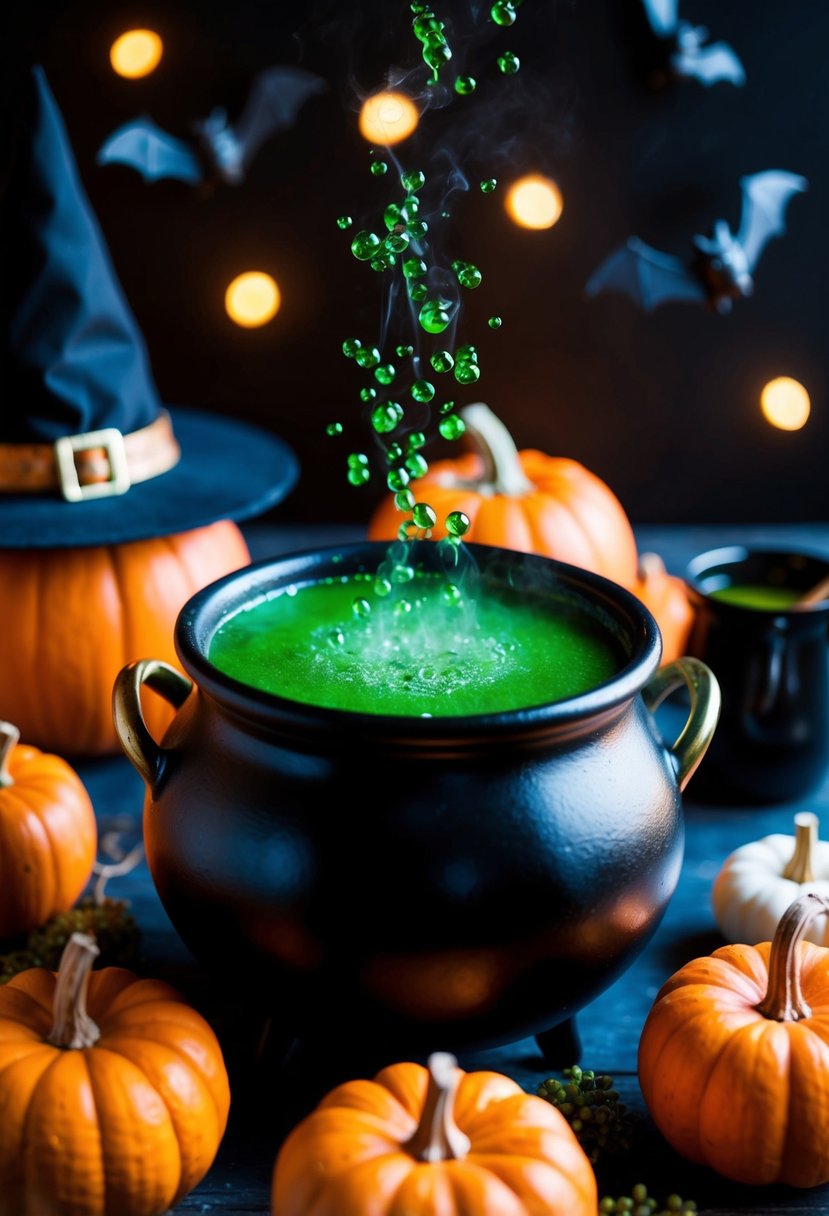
(665, 407)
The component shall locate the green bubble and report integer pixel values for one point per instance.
(414, 268)
(404, 500)
(361, 607)
(379, 168)
(452, 427)
(464, 85)
(365, 245)
(488, 185)
(384, 374)
(418, 292)
(351, 346)
(444, 215)
(433, 316)
(384, 418)
(470, 276)
(424, 515)
(403, 352)
(426, 24)
(494, 322)
(417, 464)
(397, 480)
(415, 440)
(369, 356)
(412, 204)
(457, 523)
(336, 637)
(442, 361)
(357, 460)
(451, 595)
(419, 6)
(467, 373)
(402, 608)
(358, 476)
(509, 63)
(466, 353)
(394, 215)
(344, 221)
(368, 394)
(383, 261)
(381, 587)
(397, 242)
(334, 428)
(502, 13)
(423, 391)
(447, 407)
(417, 229)
(413, 181)
(394, 452)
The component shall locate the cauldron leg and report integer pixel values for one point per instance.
(560, 1045)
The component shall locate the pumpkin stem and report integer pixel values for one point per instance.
(492, 441)
(801, 864)
(438, 1137)
(784, 1001)
(9, 739)
(72, 1027)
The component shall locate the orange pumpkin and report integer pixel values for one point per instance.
(433, 1142)
(48, 835)
(523, 500)
(72, 618)
(665, 596)
(734, 1057)
(113, 1092)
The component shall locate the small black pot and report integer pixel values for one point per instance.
(416, 881)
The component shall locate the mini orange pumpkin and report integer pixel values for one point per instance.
(113, 1092)
(734, 1057)
(665, 596)
(433, 1142)
(523, 500)
(48, 835)
(72, 618)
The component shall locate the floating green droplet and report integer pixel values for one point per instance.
(351, 346)
(417, 464)
(334, 428)
(379, 168)
(457, 522)
(502, 13)
(414, 268)
(494, 322)
(467, 373)
(384, 374)
(413, 181)
(464, 85)
(509, 63)
(442, 361)
(451, 595)
(336, 637)
(423, 391)
(417, 292)
(412, 204)
(361, 607)
(369, 356)
(447, 407)
(452, 427)
(357, 460)
(365, 245)
(383, 261)
(417, 229)
(433, 316)
(488, 185)
(394, 215)
(415, 440)
(394, 452)
(344, 221)
(470, 276)
(381, 587)
(404, 500)
(384, 418)
(467, 353)
(397, 480)
(358, 476)
(403, 352)
(424, 515)
(368, 394)
(397, 242)
(426, 24)
(402, 608)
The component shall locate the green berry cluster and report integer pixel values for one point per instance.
(110, 923)
(640, 1203)
(591, 1106)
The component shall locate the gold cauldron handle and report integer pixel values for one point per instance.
(698, 731)
(138, 744)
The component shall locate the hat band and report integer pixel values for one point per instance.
(96, 464)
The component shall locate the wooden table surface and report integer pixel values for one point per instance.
(266, 1102)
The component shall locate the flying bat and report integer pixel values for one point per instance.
(220, 151)
(721, 267)
(684, 50)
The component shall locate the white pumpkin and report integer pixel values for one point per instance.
(759, 881)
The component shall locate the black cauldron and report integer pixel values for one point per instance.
(446, 881)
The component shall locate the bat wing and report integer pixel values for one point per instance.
(710, 64)
(276, 97)
(765, 198)
(649, 277)
(152, 152)
(662, 16)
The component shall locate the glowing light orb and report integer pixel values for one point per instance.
(386, 118)
(252, 299)
(534, 201)
(136, 53)
(785, 403)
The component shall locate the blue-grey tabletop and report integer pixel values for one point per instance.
(266, 1099)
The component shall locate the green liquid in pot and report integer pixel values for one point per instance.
(335, 644)
(758, 595)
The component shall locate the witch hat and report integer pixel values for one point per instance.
(88, 453)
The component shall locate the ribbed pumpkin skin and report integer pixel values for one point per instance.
(48, 839)
(128, 1126)
(572, 515)
(741, 1093)
(72, 618)
(346, 1158)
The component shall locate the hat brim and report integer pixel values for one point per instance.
(228, 470)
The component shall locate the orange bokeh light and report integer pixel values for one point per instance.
(387, 118)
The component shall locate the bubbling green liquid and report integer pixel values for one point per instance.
(757, 595)
(426, 653)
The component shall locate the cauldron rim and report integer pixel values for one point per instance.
(567, 718)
